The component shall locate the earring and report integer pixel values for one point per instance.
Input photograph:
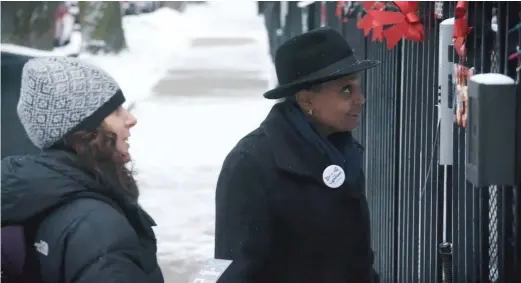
(310, 112)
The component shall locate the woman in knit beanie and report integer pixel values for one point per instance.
(77, 201)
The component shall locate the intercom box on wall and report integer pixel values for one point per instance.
(491, 130)
(446, 92)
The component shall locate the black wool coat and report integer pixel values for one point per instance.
(279, 222)
(91, 234)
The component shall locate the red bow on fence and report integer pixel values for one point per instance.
(461, 29)
(369, 21)
(405, 22)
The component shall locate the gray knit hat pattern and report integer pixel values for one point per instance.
(58, 94)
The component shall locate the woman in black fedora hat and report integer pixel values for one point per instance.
(290, 199)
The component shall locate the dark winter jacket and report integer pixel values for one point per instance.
(279, 222)
(91, 233)
(14, 140)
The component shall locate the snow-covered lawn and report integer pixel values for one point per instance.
(155, 41)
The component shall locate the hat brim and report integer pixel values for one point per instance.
(340, 69)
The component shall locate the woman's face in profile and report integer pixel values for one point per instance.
(119, 122)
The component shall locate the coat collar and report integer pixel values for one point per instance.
(291, 153)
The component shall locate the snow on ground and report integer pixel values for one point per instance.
(154, 41)
(234, 19)
(72, 48)
(197, 112)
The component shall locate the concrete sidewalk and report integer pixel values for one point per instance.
(207, 71)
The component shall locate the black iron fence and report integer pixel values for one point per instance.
(429, 223)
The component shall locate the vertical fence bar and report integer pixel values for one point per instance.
(293, 20)
(315, 13)
(400, 191)
(377, 149)
(438, 174)
(476, 60)
(459, 201)
(424, 88)
(427, 189)
(506, 14)
(423, 249)
(493, 256)
(393, 157)
(332, 19)
(500, 191)
(418, 99)
(398, 102)
(406, 159)
(476, 12)
(517, 191)
(417, 96)
(272, 21)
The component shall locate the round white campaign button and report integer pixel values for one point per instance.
(334, 176)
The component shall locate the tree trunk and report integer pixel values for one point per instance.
(29, 23)
(102, 26)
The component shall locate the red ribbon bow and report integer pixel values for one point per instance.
(405, 23)
(461, 29)
(369, 21)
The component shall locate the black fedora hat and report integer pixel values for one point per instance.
(314, 57)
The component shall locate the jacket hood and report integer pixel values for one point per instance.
(32, 184)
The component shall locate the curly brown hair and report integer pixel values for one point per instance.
(97, 150)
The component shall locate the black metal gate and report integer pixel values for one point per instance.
(429, 224)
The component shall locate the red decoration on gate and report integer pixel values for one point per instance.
(406, 22)
(461, 28)
(340, 6)
(365, 24)
(369, 21)
(463, 74)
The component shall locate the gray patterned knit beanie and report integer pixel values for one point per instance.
(61, 95)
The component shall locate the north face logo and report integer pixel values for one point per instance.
(42, 247)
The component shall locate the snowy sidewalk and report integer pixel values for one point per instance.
(155, 41)
(196, 113)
